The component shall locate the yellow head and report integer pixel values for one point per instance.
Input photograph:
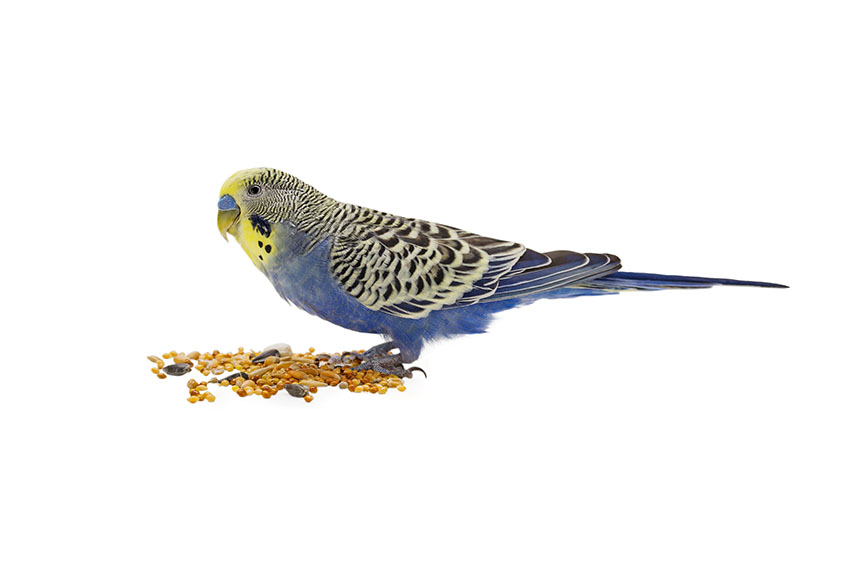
(252, 201)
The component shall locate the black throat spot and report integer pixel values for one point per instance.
(261, 225)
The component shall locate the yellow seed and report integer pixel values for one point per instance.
(308, 398)
(358, 389)
(202, 387)
(401, 388)
(161, 376)
(382, 390)
(260, 371)
(228, 367)
(194, 355)
(210, 398)
(153, 359)
(192, 399)
(155, 370)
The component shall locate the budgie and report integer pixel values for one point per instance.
(409, 280)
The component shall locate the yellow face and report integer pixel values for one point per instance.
(252, 234)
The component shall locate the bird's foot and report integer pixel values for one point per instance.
(378, 351)
(378, 359)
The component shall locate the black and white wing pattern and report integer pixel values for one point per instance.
(409, 267)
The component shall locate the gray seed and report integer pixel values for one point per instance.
(296, 390)
(265, 354)
(234, 376)
(284, 349)
(177, 369)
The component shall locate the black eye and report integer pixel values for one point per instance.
(254, 190)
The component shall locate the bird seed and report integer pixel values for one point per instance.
(273, 370)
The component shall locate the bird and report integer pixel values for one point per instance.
(409, 280)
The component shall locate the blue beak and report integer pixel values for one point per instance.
(227, 203)
(228, 212)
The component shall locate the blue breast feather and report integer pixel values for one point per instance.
(303, 278)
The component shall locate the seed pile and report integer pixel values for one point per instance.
(275, 369)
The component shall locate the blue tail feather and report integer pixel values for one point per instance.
(651, 281)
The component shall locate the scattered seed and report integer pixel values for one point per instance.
(330, 374)
(266, 354)
(249, 373)
(177, 369)
(259, 372)
(296, 390)
(284, 350)
(234, 377)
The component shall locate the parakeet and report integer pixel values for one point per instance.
(409, 280)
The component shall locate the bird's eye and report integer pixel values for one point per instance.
(254, 190)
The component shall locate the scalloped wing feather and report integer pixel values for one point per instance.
(409, 267)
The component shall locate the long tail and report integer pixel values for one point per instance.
(649, 281)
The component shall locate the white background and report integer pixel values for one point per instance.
(677, 431)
